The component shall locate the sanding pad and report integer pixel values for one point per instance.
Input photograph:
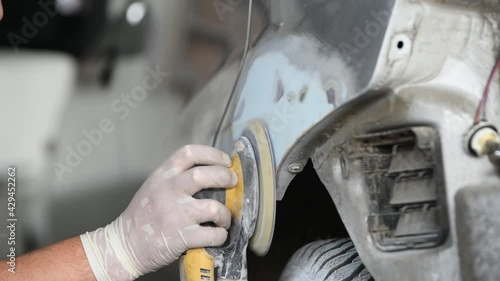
(264, 229)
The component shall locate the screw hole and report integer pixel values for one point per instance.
(400, 45)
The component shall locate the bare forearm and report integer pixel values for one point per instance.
(64, 261)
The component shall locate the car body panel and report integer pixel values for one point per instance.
(325, 72)
(305, 65)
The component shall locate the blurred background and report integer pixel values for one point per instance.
(66, 66)
(95, 94)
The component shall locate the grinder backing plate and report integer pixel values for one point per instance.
(264, 229)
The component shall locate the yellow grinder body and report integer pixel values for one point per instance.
(242, 201)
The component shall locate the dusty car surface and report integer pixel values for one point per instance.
(381, 97)
(375, 121)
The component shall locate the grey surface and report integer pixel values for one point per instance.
(98, 189)
(149, 134)
(478, 229)
(304, 63)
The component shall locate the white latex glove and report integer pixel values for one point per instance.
(163, 219)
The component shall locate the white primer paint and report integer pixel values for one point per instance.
(185, 200)
(144, 202)
(148, 229)
(171, 173)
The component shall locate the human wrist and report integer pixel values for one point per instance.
(107, 253)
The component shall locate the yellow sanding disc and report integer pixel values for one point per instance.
(264, 228)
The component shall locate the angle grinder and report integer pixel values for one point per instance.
(252, 205)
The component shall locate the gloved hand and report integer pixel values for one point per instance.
(163, 219)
